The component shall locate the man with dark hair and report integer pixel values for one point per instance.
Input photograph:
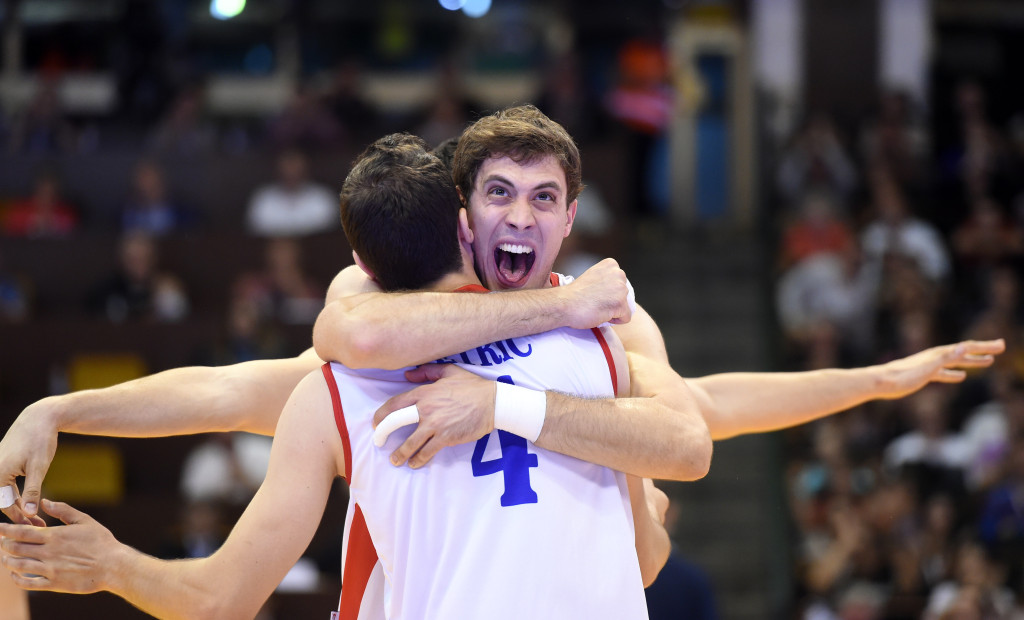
(547, 515)
(402, 209)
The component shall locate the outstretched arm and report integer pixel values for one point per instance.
(247, 396)
(392, 330)
(275, 529)
(740, 403)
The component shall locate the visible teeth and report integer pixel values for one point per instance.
(512, 248)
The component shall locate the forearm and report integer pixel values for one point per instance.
(173, 590)
(739, 403)
(653, 544)
(639, 436)
(247, 396)
(387, 330)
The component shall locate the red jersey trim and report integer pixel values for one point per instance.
(339, 417)
(471, 288)
(554, 279)
(360, 561)
(608, 358)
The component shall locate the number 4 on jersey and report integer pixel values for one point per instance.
(515, 464)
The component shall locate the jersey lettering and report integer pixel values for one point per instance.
(515, 464)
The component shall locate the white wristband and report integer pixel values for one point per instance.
(6, 496)
(519, 410)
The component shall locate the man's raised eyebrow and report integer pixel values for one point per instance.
(549, 184)
(498, 178)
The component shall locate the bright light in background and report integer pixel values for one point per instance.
(226, 9)
(476, 8)
(452, 5)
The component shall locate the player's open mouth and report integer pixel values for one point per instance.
(514, 263)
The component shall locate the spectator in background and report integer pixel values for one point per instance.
(450, 110)
(227, 467)
(817, 228)
(831, 288)
(931, 454)
(204, 529)
(138, 290)
(445, 118)
(1003, 311)
(816, 160)
(977, 591)
(344, 99)
(293, 205)
(306, 123)
(567, 100)
(897, 139)
(43, 214)
(682, 590)
(990, 427)
(1001, 522)
(986, 237)
(183, 130)
(149, 210)
(282, 291)
(249, 336)
(642, 103)
(897, 231)
(42, 128)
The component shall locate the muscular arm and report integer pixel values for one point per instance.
(658, 434)
(247, 396)
(392, 330)
(740, 403)
(269, 538)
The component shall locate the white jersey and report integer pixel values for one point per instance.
(494, 529)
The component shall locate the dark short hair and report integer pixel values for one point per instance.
(446, 151)
(522, 133)
(399, 209)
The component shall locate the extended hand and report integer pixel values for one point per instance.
(599, 296)
(62, 559)
(27, 450)
(457, 408)
(944, 364)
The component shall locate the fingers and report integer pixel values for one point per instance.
(22, 550)
(23, 565)
(30, 583)
(12, 534)
(432, 372)
(977, 347)
(393, 404)
(30, 495)
(986, 346)
(411, 446)
(427, 452)
(974, 361)
(948, 375)
(403, 417)
(64, 512)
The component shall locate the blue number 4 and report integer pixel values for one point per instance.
(515, 464)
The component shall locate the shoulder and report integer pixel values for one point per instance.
(350, 281)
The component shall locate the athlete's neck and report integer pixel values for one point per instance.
(455, 280)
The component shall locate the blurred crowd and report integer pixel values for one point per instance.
(894, 238)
